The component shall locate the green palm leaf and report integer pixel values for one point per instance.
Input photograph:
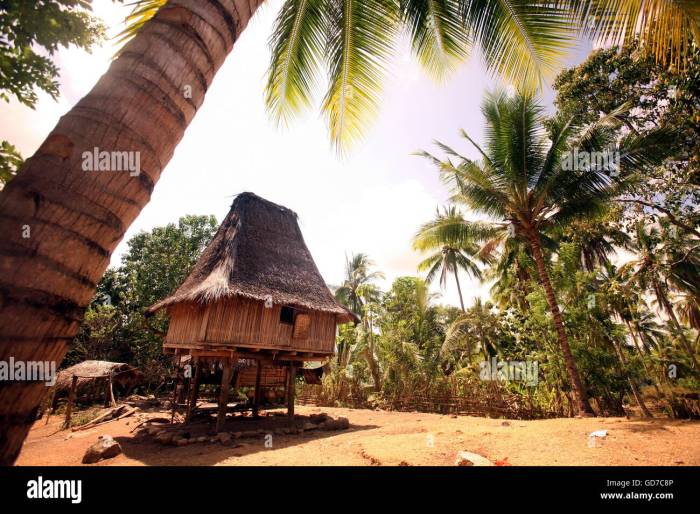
(521, 40)
(297, 44)
(360, 42)
(143, 10)
(665, 28)
(437, 34)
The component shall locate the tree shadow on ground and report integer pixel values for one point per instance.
(653, 425)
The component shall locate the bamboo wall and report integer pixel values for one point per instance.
(246, 323)
(270, 376)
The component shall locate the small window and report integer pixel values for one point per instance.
(302, 325)
(287, 316)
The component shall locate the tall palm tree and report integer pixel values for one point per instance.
(149, 96)
(358, 273)
(453, 251)
(522, 184)
(476, 328)
(653, 272)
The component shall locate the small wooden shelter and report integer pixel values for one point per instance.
(92, 378)
(255, 294)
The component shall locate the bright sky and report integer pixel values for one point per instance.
(370, 201)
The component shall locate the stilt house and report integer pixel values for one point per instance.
(254, 295)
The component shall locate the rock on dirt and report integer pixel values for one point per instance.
(335, 424)
(164, 437)
(224, 438)
(105, 448)
(317, 419)
(471, 459)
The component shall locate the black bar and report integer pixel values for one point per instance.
(461, 487)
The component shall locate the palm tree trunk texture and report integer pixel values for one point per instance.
(650, 376)
(76, 218)
(459, 289)
(633, 385)
(576, 383)
(681, 336)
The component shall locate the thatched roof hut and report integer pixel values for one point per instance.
(255, 286)
(255, 293)
(92, 374)
(258, 253)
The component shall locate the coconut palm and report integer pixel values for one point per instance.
(453, 251)
(475, 329)
(522, 184)
(653, 271)
(358, 275)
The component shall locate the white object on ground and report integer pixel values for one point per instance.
(472, 459)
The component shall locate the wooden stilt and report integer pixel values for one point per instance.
(52, 405)
(71, 400)
(109, 392)
(176, 392)
(194, 392)
(291, 382)
(256, 400)
(223, 396)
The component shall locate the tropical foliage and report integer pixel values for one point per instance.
(154, 264)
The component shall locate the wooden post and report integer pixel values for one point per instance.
(291, 381)
(109, 392)
(194, 392)
(223, 395)
(71, 400)
(256, 400)
(52, 406)
(176, 390)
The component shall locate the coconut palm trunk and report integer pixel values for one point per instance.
(459, 289)
(576, 383)
(634, 388)
(61, 219)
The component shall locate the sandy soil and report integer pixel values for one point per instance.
(393, 438)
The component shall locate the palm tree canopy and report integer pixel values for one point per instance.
(665, 28)
(449, 239)
(357, 285)
(522, 178)
(521, 40)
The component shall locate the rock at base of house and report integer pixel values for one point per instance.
(317, 419)
(224, 438)
(472, 459)
(335, 424)
(105, 448)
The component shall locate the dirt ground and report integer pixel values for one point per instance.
(392, 438)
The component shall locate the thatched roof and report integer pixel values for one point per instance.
(258, 252)
(90, 371)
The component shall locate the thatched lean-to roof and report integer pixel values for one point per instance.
(258, 252)
(88, 372)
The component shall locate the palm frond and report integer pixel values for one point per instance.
(438, 37)
(360, 41)
(666, 28)
(523, 41)
(143, 10)
(297, 45)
